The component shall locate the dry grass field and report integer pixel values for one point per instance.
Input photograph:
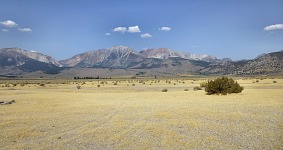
(135, 114)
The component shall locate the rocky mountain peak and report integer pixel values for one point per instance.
(165, 53)
(161, 53)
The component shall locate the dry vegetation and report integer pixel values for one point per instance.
(136, 114)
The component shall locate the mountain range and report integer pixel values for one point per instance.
(124, 61)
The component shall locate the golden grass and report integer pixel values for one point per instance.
(122, 116)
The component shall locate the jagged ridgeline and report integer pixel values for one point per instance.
(124, 60)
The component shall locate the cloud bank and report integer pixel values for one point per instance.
(9, 23)
(146, 35)
(274, 27)
(164, 28)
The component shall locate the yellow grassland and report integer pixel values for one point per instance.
(135, 114)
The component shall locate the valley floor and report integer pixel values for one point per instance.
(133, 115)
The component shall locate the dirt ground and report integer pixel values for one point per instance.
(135, 114)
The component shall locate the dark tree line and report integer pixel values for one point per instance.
(78, 78)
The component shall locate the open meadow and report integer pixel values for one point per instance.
(136, 114)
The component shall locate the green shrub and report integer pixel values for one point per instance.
(223, 86)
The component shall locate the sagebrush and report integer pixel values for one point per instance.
(223, 86)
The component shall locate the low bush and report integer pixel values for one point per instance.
(164, 90)
(78, 87)
(223, 86)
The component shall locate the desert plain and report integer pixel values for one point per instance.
(136, 114)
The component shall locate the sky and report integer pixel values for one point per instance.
(237, 29)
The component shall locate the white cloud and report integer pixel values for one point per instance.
(25, 29)
(274, 27)
(134, 29)
(5, 30)
(164, 28)
(107, 34)
(120, 29)
(9, 23)
(146, 35)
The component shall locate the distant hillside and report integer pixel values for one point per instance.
(18, 61)
(125, 57)
(114, 57)
(271, 63)
(124, 61)
(165, 53)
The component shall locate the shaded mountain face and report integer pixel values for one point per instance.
(18, 59)
(271, 63)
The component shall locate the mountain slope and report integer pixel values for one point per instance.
(125, 57)
(122, 59)
(271, 63)
(116, 57)
(17, 56)
(165, 53)
(18, 59)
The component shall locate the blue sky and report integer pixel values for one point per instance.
(238, 29)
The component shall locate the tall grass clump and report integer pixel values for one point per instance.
(223, 86)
